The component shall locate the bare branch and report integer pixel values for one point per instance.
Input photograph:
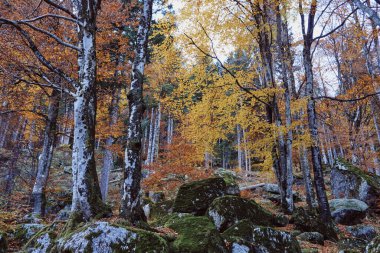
(60, 8)
(52, 16)
(56, 38)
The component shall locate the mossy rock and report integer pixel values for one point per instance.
(352, 245)
(309, 221)
(169, 218)
(195, 197)
(3, 242)
(364, 232)
(196, 234)
(349, 181)
(24, 232)
(312, 237)
(42, 242)
(160, 209)
(348, 211)
(102, 237)
(228, 210)
(373, 246)
(246, 235)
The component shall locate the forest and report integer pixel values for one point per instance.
(194, 126)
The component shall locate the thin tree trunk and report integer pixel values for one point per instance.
(156, 142)
(131, 208)
(108, 156)
(150, 139)
(319, 183)
(44, 161)
(240, 153)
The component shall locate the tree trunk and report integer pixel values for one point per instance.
(150, 139)
(131, 208)
(44, 161)
(86, 191)
(108, 155)
(157, 133)
(319, 183)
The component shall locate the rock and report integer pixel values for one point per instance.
(3, 243)
(31, 219)
(42, 242)
(64, 214)
(373, 246)
(364, 232)
(101, 237)
(351, 245)
(228, 210)
(195, 197)
(156, 197)
(247, 237)
(273, 193)
(309, 221)
(25, 232)
(348, 211)
(310, 250)
(312, 237)
(230, 178)
(196, 234)
(348, 181)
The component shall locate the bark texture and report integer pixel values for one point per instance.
(44, 161)
(131, 205)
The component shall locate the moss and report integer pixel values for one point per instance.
(117, 238)
(195, 235)
(309, 221)
(159, 210)
(261, 239)
(372, 180)
(195, 197)
(228, 210)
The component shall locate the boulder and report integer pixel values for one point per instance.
(247, 237)
(196, 234)
(228, 210)
(156, 197)
(3, 243)
(373, 246)
(348, 211)
(25, 232)
(364, 232)
(64, 214)
(312, 237)
(273, 193)
(42, 242)
(351, 245)
(195, 197)
(309, 221)
(348, 181)
(101, 237)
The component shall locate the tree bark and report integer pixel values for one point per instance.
(108, 156)
(131, 208)
(44, 161)
(86, 191)
(319, 183)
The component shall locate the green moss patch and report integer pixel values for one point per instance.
(196, 234)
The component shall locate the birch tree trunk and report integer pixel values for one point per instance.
(108, 156)
(319, 183)
(86, 191)
(288, 173)
(150, 139)
(157, 128)
(240, 153)
(44, 161)
(131, 208)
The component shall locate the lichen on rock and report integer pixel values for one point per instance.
(348, 211)
(102, 237)
(228, 210)
(260, 239)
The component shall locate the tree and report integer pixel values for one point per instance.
(131, 208)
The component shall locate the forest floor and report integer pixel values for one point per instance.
(17, 206)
